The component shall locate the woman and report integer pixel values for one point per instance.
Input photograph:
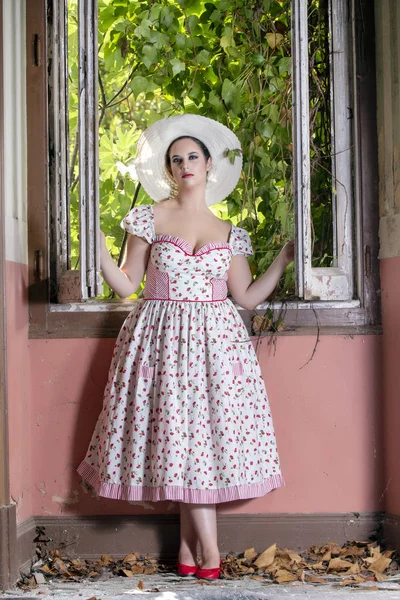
(186, 415)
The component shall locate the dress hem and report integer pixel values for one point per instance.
(177, 493)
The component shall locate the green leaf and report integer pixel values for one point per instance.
(232, 154)
(265, 128)
(225, 41)
(196, 91)
(285, 64)
(143, 30)
(180, 40)
(215, 100)
(167, 16)
(159, 39)
(231, 96)
(210, 76)
(139, 84)
(203, 57)
(258, 59)
(177, 66)
(149, 55)
(192, 23)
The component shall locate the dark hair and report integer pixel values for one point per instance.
(203, 147)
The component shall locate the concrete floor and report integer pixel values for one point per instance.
(168, 586)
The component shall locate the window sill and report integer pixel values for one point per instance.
(94, 319)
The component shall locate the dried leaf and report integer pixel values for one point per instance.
(379, 565)
(266, 558)
(250, 554)
(375, 552)
(141, 584)
(354, 569)
(333, 548)
(261, 323)
(353, 551)
(291, 556)
(380, 577)
(78, 563)
(258, 577)
(274, 39)
(67, 575)
(136, 570)
(46, 569)
(130, 558)
(126, 572)
(338, 564)
(105, 560)
(148, 571)
(283, 576)
(315, 579)
(60, 565)
(327, 556)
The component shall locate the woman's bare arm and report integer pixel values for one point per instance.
(125, 280)
(248, 293)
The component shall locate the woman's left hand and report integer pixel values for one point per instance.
(287, 252)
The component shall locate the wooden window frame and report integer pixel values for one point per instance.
(94, 319)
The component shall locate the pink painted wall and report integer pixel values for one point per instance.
(18, 382)
(327, 416)
(390, 284)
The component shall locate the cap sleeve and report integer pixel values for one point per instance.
(240, 242)
(139, 221)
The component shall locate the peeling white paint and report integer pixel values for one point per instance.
(42, 488)
(73, 500)
(389, 236)
(145, 505)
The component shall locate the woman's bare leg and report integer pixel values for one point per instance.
(188, 548)
(203, 520)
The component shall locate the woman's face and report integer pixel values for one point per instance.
(188, 164)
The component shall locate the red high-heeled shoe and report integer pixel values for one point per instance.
(209, 573)
(186, 570)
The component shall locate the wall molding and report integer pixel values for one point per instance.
(90, 537)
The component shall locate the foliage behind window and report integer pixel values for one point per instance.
(229, 60)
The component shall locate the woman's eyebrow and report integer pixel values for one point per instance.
(179, 156)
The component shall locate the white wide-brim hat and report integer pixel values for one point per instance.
(153, 144)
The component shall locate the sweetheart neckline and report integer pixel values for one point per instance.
(177, 237)
(184, 242)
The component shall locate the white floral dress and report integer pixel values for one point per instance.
(186, 415)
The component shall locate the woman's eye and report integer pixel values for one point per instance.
(192, 156)
(175, 160)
